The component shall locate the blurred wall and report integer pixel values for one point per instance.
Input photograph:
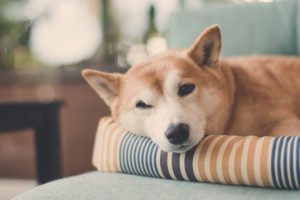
(79, 118)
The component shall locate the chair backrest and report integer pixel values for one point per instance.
(249, 28)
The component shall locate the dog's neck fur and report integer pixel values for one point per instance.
(219, 122)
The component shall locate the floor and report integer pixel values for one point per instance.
(12, 187)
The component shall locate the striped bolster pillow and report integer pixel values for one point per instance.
(265, 161)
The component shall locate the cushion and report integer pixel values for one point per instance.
(99, 185)
(248, 28)
(266, 161)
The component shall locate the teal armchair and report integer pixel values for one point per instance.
(257, 28)
(251, 28)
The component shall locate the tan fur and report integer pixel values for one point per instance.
(253, 95)
(267, 96)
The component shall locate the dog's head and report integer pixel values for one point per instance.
(172, 97)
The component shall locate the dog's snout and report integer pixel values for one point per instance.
(177, 133)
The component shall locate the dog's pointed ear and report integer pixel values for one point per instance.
(207, 48)
(106, 85)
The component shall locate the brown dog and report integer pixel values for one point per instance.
(177, 96)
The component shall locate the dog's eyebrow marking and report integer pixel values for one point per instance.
(158, 85)
(155, 80)
(172, 82)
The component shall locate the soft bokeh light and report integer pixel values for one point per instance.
(68, 33)
(266, 1)
(138, 51)
(136, 54)
(251, 1)
(37, 8)
(45, 93)
(133, 15)
(65, 32)
(156, 45)
(163, 10)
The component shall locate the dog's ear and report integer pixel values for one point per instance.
(105, 84)
(206, 49)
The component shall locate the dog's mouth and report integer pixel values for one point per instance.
(183, 148)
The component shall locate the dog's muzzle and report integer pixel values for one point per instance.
(177, 133)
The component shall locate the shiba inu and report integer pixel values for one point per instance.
(177, 96)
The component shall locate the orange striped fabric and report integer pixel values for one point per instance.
(265, 162)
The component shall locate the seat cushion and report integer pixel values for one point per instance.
(248, 28)
(101, 185)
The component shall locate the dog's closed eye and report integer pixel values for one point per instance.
(142, 105)
(186, 89)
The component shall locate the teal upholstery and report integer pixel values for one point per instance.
(99, 185)
(256, 28)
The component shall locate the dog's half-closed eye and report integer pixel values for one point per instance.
(142, 105)
(186, 89)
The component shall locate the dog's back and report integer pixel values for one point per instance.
(267, 91)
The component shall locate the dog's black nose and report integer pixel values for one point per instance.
(177, 133)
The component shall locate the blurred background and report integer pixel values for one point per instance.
(44, 45)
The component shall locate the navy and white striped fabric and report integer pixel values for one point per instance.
(286, 162)
(264, 162)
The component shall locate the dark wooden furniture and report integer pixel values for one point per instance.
(43, 118)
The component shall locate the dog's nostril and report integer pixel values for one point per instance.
(177, 133)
